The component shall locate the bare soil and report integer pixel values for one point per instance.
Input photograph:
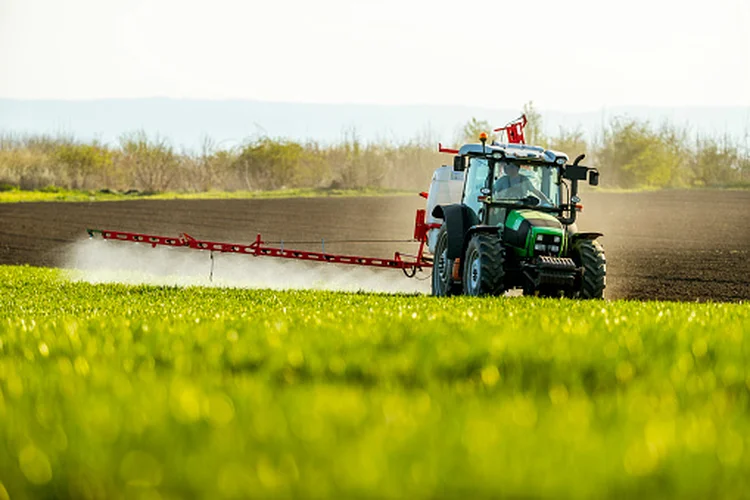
(667, 245)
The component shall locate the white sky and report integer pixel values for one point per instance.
(571, 55)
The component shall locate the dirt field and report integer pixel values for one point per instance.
(671, 245)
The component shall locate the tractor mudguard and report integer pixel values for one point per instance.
(457, 219)
(585, 236)
(482, 229)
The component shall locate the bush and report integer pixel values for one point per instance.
(633, 155)
(150, 164)
(84, 165)
(716, 163)
(269, 163)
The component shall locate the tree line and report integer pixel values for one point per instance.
(630, 153)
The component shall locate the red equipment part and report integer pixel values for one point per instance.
(421, 228)
(258, 248)
(441, 149)
(514, 130)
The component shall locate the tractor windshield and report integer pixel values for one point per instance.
(514, 181)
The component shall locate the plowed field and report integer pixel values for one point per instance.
(670, 245)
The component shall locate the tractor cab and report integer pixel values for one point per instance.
(517, 208)
(513, 175)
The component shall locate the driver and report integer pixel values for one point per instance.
(516, 186)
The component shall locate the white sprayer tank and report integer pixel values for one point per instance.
(445, 188)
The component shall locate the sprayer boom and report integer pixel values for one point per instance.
(258, 248)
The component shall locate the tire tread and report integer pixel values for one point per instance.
(492, 264)
(594, 263)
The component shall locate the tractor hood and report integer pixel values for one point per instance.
(533, 233)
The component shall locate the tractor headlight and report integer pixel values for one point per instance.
(539, 237)
(554, 248)
(557, 240)
(540, 247)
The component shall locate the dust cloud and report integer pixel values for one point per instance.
(98, 261)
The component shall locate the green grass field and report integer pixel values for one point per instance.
(58, 194)
(110, 391)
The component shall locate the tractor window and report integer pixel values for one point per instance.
(476, 179)
(550, 184)
(513, 181)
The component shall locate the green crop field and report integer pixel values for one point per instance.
(112, 391)
(58, 194)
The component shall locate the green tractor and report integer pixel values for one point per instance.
(514, 226)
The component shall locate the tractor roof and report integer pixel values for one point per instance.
(519, 151)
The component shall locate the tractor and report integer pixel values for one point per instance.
(512, 223)
(501, 217)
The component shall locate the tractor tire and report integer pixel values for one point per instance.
(484, 266)
(589, 255)
(442, 268)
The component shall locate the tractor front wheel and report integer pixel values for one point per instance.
(442, 268)
(484, 270)
(589, 255)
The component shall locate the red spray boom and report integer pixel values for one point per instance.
(409, 264)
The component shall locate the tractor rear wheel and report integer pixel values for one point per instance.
(484, 270)
(589, 255)
(442, 268)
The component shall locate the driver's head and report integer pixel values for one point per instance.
(511, 169)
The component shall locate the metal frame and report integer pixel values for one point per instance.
(514, 130)
(258, 248)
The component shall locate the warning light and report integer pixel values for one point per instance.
(483, 136)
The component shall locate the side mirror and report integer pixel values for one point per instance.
(459, 163)
(593, 178)
(575, 172)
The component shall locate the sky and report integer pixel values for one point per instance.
(572, 55)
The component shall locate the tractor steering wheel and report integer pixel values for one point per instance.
(531, 200)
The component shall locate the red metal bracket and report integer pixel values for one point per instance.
(441, 149)
(514, 130)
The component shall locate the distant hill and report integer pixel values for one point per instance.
(186, 122)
